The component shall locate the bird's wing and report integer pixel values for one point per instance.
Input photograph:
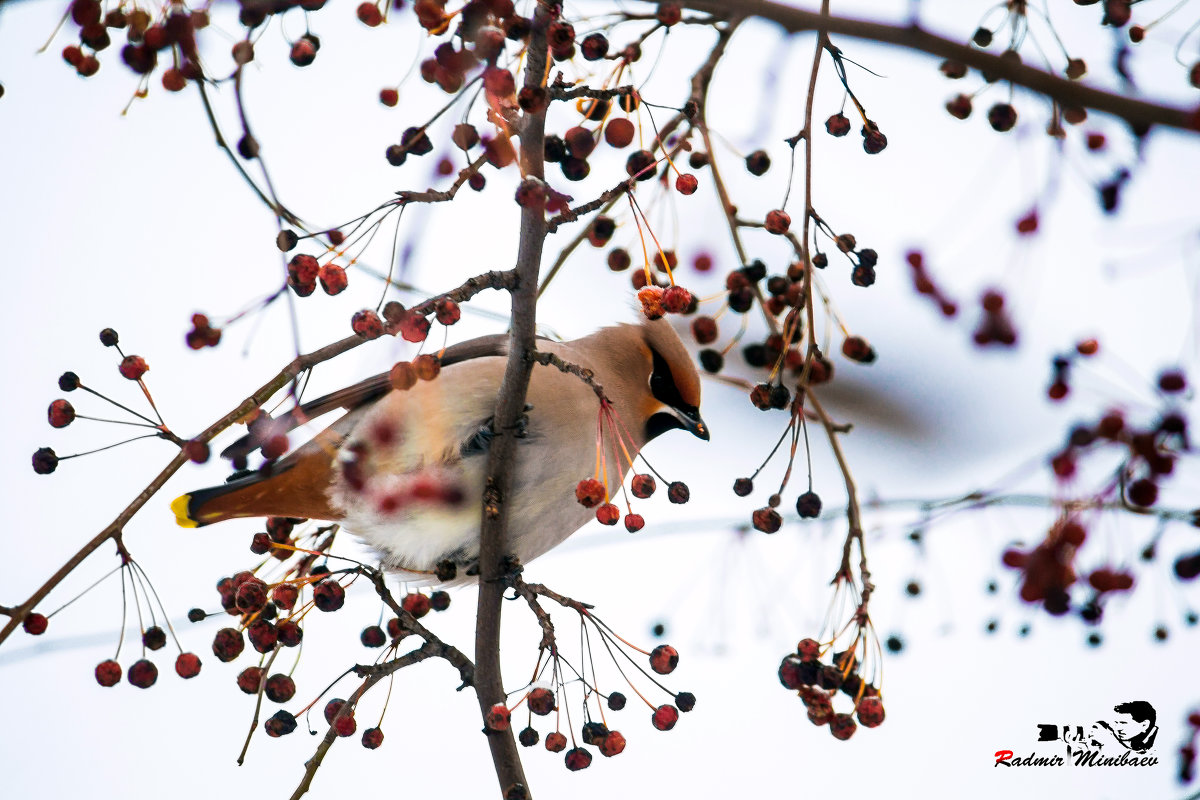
(361, 394)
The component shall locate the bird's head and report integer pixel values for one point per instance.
(672, 393)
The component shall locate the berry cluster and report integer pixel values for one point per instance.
(554, 675)
(612, 438)
(818, 685)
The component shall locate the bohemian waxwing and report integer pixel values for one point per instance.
(404, 470)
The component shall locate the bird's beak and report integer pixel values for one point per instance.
(692, 423)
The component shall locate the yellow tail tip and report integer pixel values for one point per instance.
(180, 506)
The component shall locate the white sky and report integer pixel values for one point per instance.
(137, 222)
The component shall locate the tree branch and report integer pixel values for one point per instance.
(510, 405)
(912, 37)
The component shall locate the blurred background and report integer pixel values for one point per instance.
(137, 221)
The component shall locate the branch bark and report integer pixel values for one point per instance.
(510, 405)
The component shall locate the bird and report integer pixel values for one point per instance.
(404, 469)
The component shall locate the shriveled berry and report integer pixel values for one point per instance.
(142, 673)
(108, 673)
(61, 413)
(373, 636)
(497, 718)
(686, 184)
(685, 701)
(678, 492)
(608, 514)
(133, 367)
(589, 492)
(842, 726)
(416, 604)
(280, 688)
(743, 487)
(372, 738)
(333, 280)
(541, 701)
(778, 222)
(249, 679)
(228, 644)
(328, 595)
(676, 300)
(284, 595)
(281, 723)
(642, 486)
(616, 701)
(808, 505)
(556, 742)
(837, 125)
(262, 635)
(758, 162)
(664, 659)
(634, 522)
(612, 744)
(367, 324)
(767, 520)
(154, 638)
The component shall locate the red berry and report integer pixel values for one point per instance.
(389, 97)
(842, 726)
(634, 522)
(837, 125)
(497, 718)
(416, 604)
(541, 701)
(304, 51)
(608, 514)
(664, 659)
(870, 712)
(328, 595)
(676, 300)
(373, 637)
(665, 717)
(612, 744)
(808, 650)
(372, 738)
(577, 758)
(108, 673)
(369, 15)
(285, 595)
(228, 644)
(678, 492)
(778, 222)
(142, 674)
(414, 327)
(447, 311)
(556, 742)
(367, 324)
(35, 624)
(333, 280)
(187, 665)
(589, 492)
(280, 688)
(249, 679)
(133, 367)
(262, 635)
(686, 184)
(251, 595)
(642, 486)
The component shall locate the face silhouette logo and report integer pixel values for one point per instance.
(1133, 727)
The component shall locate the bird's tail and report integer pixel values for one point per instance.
(298, 488)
